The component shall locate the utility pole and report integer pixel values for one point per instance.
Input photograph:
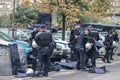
(13, 19)
(51, 10)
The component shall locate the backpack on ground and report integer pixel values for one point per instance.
(56, 67)
(98, 70)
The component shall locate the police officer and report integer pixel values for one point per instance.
(34, 49)
(114, 37)
(72, 42)
(108, 47)
(90, 51)
(79, 49)
(44, 52)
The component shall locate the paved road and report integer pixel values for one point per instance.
(113, 74)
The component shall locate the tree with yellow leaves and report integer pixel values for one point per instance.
(71, 10)
(68, 9)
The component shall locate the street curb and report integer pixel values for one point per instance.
(22, 78)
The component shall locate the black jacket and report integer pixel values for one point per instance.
(108, 41)
(32, 37)
(92, 53)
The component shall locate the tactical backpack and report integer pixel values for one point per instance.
(43, 39)
(98, 70)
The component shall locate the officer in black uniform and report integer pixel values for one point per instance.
(78, 44)
(44, 52)
(91, 52)
(108, 46)
(112, 36)
(115, 38)
(72, 42)
(34, 49)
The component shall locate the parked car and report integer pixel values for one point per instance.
(23, 48)
(58, 35)
(23, 35)
(61, 50)
(19, 34)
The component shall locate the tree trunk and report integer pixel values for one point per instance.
(63, 26)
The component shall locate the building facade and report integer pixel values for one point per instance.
(7, 6)
(116, 5)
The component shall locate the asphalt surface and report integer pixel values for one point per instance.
(112, 74)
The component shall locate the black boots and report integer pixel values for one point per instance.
(111, 58)
(103, 59)
(45, 74)
(106, 60)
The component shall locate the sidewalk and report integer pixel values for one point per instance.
(63, 72)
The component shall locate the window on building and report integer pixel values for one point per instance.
(1, 7)
(117, 2)
(9, 7)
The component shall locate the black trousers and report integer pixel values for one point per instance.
(81, 57)
(43, 60)
(73, 54)
(107, 55)
(92, 55)
(93, 61)
(111, 53)
(34, 63)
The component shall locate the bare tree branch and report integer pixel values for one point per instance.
(58, 2)
(66, 2)
(75, 1)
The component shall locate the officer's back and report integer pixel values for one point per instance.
(43, 39)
